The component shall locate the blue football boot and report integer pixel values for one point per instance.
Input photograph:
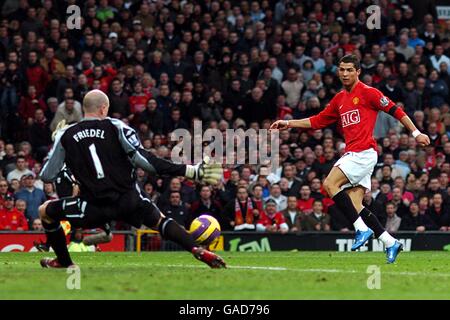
(361, 238)
(393, 251)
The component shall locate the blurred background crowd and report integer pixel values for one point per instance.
(231, 64)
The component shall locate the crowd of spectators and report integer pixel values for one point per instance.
(231, 64)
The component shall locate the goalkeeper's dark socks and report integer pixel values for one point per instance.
(57, 240)
(171, 230)
(344, 203)
(372, 222)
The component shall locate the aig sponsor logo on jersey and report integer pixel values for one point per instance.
(350, 118)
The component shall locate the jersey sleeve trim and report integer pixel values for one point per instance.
(56, 158)
(132, 145)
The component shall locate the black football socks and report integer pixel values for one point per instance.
(171, 230)
(57, 240)
(372, 222)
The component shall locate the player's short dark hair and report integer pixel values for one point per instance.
(351, 58)
(318, 201)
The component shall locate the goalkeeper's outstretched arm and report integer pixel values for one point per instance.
(163, 166)
(205, 171)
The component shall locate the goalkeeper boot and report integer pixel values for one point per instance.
(393, 251)
(361, 238)
(208, 257)
(53, 263)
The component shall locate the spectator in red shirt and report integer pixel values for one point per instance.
(11, 218)
(271, 220)
(35, 74)
(29, 104)
(3, 192)
(138, 101)
(305, 203)
(104, 74)
(346, 44)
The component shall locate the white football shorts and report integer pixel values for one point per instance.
(358, 167)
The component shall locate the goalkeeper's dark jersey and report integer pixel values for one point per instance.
(101, 155)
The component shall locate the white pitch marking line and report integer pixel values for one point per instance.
(403, 273)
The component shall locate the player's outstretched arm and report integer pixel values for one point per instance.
(286, 124)
(421, 138)
(327, 116)
(383, 103)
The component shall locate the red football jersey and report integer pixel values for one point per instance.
(265, 220)
(13, 219)
(305, 206)
(356, 112)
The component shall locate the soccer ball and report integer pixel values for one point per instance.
(205, 229)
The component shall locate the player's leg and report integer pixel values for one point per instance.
(169, 229)
(357, 195)
(55, 236)
(392, 245)
(332, 184)
(80, 214)
(104, 236)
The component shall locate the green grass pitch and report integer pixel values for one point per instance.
(270, 275)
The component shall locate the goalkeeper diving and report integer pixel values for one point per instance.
(102, 155)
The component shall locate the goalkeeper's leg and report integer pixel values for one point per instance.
(103, 236)
(171, 230)
(55, 236)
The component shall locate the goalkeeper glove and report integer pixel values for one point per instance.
(61, 125)
(206, 171)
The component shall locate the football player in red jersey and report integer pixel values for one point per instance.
(355, 108)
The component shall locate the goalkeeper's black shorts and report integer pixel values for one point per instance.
(131, 207)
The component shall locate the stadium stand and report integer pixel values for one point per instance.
(231, 64)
